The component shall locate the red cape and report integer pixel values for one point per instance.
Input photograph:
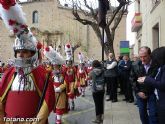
(39, 75)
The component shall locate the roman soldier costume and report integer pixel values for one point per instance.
(81, 75)
(89, 68)
(21, 99)
(60, 86)
(2, 70)
(69, 73)
(22, 85)
(26, 89)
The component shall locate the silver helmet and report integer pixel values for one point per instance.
(26, 41)
(53, 56)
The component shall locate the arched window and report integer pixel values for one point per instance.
(35, 17)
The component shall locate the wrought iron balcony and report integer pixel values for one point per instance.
(136, 22)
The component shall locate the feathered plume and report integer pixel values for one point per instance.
(68, 52)
(53, 56)
(13, 16)
(81, 57)
(14, 19)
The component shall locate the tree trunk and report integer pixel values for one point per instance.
(113, 19)
(108, 47)
(109, 41)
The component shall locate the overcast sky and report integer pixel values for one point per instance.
(22, 0)
(130, 35)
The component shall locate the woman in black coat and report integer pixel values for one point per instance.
(98, 90)
(158, 59)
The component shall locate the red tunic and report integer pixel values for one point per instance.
(81, 76)
(19, 104)
(1, 70)
(69, 73)
(61, 99)
(89, 69)
(70, 78)
(39, 76)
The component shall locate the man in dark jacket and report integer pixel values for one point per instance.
(158, 81)
(111, 78)
(145, 95)
(125, 67)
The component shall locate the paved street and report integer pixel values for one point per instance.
(83, 113)
(115, 113)
(63, 41)
(121, 113)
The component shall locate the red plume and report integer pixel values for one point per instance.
(39, 45)
(47, 49)
(23, 26)
(12, 22)
(7, 3)
(15, 30)
(68, 45)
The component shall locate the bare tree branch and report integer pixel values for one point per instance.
(116, 22)
(114, 14)
(80, 8)
(77, 7)
(94, 14)
(83, 21)
(96, 30)
(76, 46)
(118, 18)
(91, 18)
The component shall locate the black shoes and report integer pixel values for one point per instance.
(72, 106)
(108, 99)
(131, 101)
(121, 92)
(83, 95)
(115, 100)
(125, 99)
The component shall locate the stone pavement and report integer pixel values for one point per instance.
(114, 113)
(121, 112)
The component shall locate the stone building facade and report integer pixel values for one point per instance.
(54, 24)
(149, 23)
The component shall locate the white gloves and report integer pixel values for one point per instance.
(141, 80)
(112, 65)
(57, 90)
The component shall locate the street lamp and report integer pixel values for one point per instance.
(103, 7)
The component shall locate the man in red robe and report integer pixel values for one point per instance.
(23, 90)
(89, 68)
(81, 78)
(69, 72)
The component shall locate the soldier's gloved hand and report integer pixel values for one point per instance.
(57, 90)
